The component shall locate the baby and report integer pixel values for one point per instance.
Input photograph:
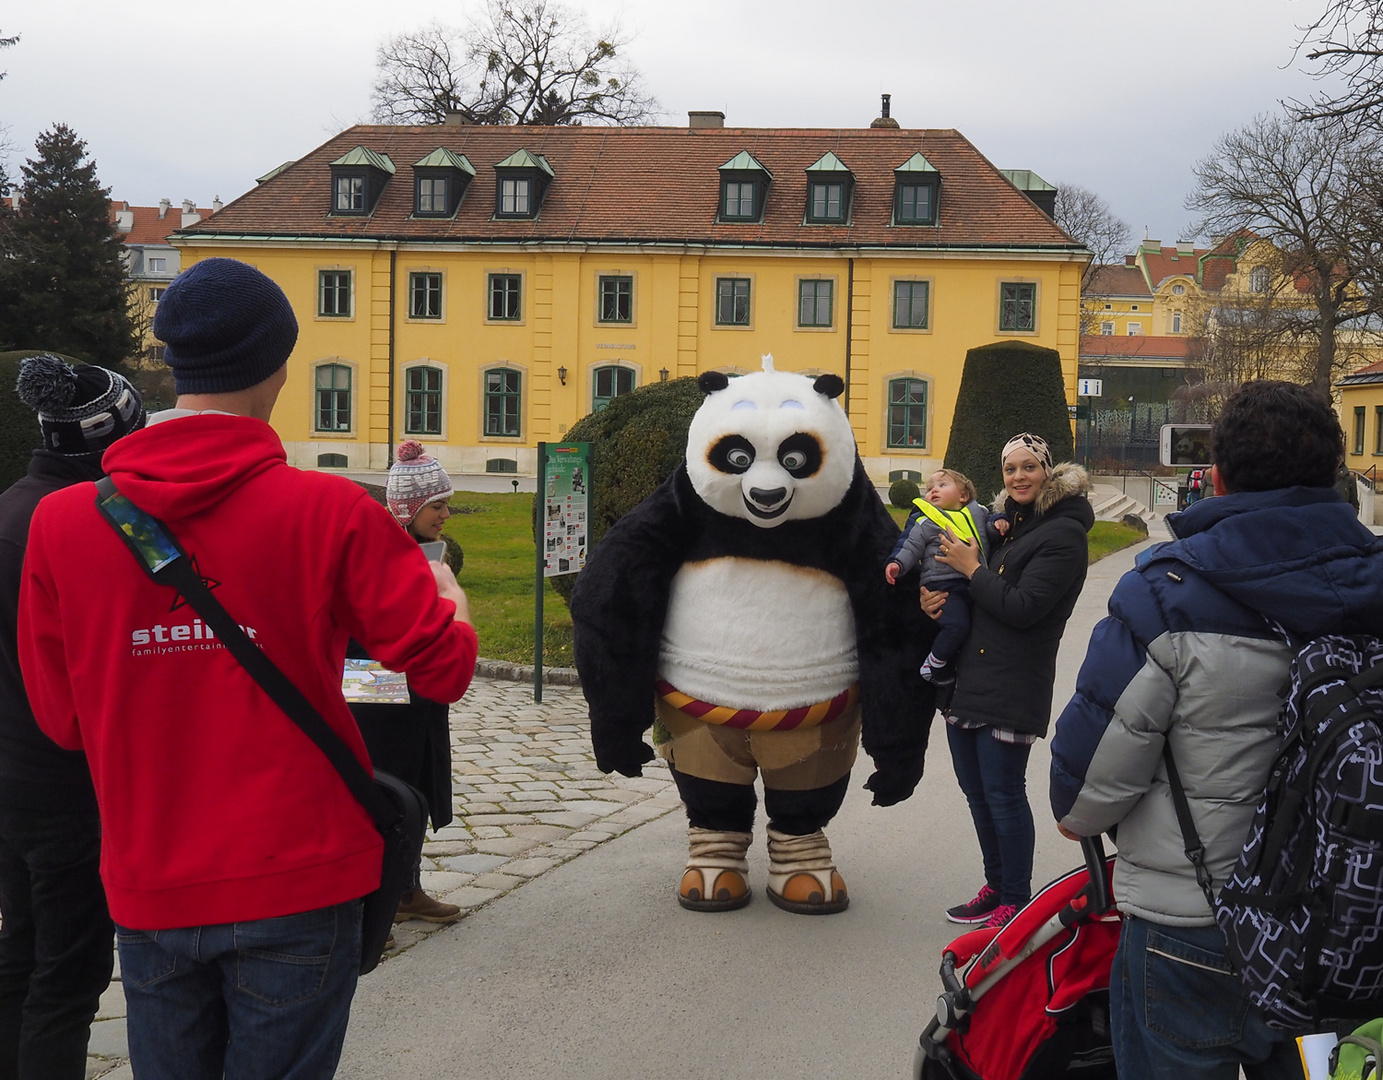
(949, 503)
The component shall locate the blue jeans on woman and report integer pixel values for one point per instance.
(1177, 1012)
(993, 776)
(261, 1000)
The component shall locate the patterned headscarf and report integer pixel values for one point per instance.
(1033, 444)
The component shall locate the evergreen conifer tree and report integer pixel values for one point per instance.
(1006, 388)
(65, 288)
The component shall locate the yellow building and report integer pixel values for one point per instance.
(1361, 413)
(483, 288)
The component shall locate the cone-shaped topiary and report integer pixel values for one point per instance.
(1007, 387)
(636, 442)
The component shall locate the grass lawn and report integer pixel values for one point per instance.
(496, 532)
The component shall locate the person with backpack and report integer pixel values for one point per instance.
(1192, 659)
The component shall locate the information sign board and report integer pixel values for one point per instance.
(565, 506)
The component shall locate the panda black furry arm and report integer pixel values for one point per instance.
(893, 639)
(618, 609)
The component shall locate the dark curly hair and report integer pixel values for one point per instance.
(1274, 435)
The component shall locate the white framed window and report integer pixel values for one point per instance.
(1135, 329)
(1107, 328)
(1178, 290)
(158, 264)
(1258, 279)
(1176, 322)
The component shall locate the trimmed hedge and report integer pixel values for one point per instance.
(19, 433)
(636, 443)
(901, 493)
(1006, 388)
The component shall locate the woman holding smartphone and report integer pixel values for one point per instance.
(413, 741)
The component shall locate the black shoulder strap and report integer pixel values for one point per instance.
(163, 559)
(1195, 850)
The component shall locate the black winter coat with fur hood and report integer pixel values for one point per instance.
(1020, 603)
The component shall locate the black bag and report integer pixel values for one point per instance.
(398, 809)
(1302, 913)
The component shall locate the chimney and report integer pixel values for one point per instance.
(163, 207)
(190, 216)
(456, 118)
(124, 218)
(696, 121)
(885, 121)
(216, 203)
(1130, 260)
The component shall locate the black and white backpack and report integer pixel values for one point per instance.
(1302, 914)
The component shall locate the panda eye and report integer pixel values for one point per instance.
(800, 455)
(732, 454)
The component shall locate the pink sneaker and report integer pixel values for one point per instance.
(977, 910)
(1000, 916)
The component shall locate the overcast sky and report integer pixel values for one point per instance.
(194, 100)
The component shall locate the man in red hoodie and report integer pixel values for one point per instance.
(233, 855)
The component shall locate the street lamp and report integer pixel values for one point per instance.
(562, 375)
(662, 374)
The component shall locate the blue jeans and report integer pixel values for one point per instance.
(261, 1000)
(993, 776)
(1177, 1012)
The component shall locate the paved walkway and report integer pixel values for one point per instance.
(527, 797)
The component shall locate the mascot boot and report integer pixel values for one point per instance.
(802, 875)
(717, 869)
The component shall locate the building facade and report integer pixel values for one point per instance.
(483, 288)
(151, 262)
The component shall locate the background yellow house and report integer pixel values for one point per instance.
(483, 288)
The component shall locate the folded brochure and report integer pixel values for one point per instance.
(370, 682)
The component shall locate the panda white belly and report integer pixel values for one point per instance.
(753, 634)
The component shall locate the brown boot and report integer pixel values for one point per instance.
(418, 905)
(716, 867)
(802, 875)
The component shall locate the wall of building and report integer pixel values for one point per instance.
(673, 327)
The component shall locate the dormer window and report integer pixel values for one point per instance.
(743, 188)
(916, 192)
(440, 181)
(522, 180)
(357, 181)
(829, 187)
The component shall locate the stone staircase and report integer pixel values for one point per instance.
(1111, 504)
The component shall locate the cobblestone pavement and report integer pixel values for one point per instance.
(527, 797)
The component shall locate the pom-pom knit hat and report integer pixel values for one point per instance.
(1035, 445)
(414, 481)
(225, 327)
(81, 410)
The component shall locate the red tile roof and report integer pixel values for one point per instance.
(1118, 280)
(1167, 261)
(1138, 346)
(149, 228)
(652, 184)
(1369, 373)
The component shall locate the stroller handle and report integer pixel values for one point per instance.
(1095, 898)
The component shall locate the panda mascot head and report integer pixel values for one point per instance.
(771, 447)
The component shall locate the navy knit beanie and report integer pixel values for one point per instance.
(225, 327)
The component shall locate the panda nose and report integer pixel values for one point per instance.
(768, 498)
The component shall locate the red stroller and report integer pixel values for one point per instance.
(1031, 1000)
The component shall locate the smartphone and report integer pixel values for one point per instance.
(1186, 446)
(434, 550)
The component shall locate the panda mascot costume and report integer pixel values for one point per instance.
(741, 611)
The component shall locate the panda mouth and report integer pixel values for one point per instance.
(767, 515)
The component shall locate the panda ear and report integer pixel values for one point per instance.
(711, 381)
(831, 386)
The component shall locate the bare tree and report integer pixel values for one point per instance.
(519, 62)
(1346, 42)
(1306, 189)
(1088, 218)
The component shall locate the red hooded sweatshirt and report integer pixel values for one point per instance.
(215, 807)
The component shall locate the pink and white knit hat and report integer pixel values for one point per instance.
(414, 481)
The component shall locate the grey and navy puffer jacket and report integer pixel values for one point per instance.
(1193, 653)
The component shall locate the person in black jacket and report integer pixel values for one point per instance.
(1004, 675)
(56, 945)
(413, 741)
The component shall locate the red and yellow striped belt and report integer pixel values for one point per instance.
(752, 719)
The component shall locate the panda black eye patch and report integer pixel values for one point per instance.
(732, 454)
(800, 455)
